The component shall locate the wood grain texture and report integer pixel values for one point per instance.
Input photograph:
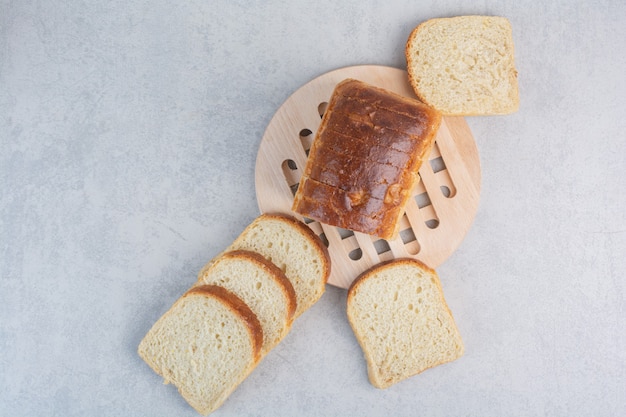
(444, 202)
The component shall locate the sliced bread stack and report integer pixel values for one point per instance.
(261, 285)
(242, 305)
(295, 249)
(401, 320)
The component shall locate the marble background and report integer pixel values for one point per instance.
(128, 137)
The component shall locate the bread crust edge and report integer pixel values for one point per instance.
(306, 230)
(240, 308)
(270, 268)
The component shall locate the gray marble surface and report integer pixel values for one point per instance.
(128, 137)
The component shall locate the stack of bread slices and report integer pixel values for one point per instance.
(242, 305)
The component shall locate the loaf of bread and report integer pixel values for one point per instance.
(261, 285)
(294, 248)
(464, 65)
(364, 160)
(401, 320)
(205, 345)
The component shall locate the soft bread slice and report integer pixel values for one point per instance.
(294, 248)
(464, 65)
(205, 345)
(261, 285)
(401, 320)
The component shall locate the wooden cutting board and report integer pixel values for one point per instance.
(444, 202)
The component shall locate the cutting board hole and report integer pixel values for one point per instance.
(382, 246)
(355, 254)
(427, 209)
(324, 239)
(437, 164)
(344, 233)
(411, 244)
(291, 174)
(291, 164)
(432, 223)
(422, 200)
(445, 184)
(306, 138)
(316, 227)
(407, 236)
(432, 220)
(321, 108)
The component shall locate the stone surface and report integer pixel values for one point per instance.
(128, 137)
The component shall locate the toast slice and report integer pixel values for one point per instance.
(294, 248)
(401, 321)
(205, 345)
(261, 285)
(464, 65)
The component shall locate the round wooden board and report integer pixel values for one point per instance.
(444, 202)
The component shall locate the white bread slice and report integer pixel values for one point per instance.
(401, 320)
(464, 65)
(205, 345)
(261, 285)
(294, 248)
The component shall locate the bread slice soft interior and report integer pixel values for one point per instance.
(464, 65)
(401, 320)
(205, 345)
(261, 285)
(293, 247)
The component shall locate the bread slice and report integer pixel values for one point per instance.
(401, 320)
(464, 65)
(205, 345)
(261, 285)
(294, 248)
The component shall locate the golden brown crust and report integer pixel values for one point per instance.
(385, 264)
(377, 98)
(364, 160)
(305, 230)
(333, 203)
(272, 270)
(362, 130)
(407, 55)
(240, 308)
(337, 171)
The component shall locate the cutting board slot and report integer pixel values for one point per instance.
(321, 108)
(381, 246)
(355, 254)
(306, 137)
(422, 200)
(291, 174)
(345, 233)
(437, 164)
